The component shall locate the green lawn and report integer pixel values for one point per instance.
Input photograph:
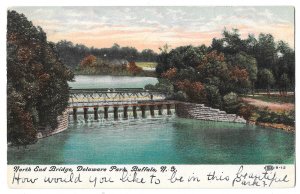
(273, 98)
(146, 64)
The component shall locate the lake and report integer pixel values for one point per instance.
(96, 81)
(164, 139)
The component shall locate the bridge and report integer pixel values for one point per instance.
(127, 99)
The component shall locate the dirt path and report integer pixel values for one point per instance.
(271, 105)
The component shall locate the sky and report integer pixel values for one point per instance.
(152, 27)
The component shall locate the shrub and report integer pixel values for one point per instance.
(180, 96)
(287, 118)
(134, 69)
(170, 73)
(246, 111)
(231, 102)
(213, 96)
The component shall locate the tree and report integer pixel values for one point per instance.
(194, 90)
(170, 73)
(71, 54)
(239, 79)
(266, 79)
(285, 63)
(265, 51)
(214, 98)
(284, 83)
(147, 55)
(231, 103)
(242, 60)
(181, 58)
(232, 43)
(134, 69)
(88, 62)
(37, 87)
(165, 48)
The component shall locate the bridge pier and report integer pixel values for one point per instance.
(105, 112)
(134, 112)
(169, 109)
(96, 113)
(125, 108)
(85, 113)
(143, 109)
(74, 113)
(116, 113)
(159, 109)
(151, 110)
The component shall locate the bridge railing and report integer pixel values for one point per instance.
(106, 96)
(118, 103)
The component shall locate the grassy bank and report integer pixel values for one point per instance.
(146, 64)
(273, 98)
(275, 111)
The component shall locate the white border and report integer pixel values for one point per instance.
(7, 3)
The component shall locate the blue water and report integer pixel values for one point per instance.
(162, 140)
(159, 140)
(100, 81)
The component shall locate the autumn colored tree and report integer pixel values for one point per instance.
(213, 64)
(170, 73)
(134, 69)
(195, 90)
(88, 62)
(239, 79)
(37, 88)
(247, 62)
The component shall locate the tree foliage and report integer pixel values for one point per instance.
(37, 89)
(134, 69)
(72, 54)
(230, 66)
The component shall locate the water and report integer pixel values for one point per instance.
(159, 140)
(96, 81)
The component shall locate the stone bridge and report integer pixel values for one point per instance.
(125, 98)
(105, 101)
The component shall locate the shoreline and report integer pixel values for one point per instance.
(151, 74)
(283, 127)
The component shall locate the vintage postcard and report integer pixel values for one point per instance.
(151, 97)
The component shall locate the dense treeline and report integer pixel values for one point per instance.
(37, 89)
(275, 60)
(91, 65)
(214, 75)
(72, 54)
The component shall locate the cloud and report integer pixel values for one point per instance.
(150, 27)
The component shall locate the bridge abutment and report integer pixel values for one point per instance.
(74, 113)
(85, 113)
(143, 109)
(159, 109)
(96, 113)
(134, 112)
(116, 112)
(106, 112)
(125, 111)
(169, 109)
(152, 110)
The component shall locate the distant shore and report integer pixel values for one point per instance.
(123, 73)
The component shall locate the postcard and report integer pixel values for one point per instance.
(151, 97)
